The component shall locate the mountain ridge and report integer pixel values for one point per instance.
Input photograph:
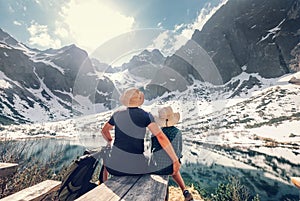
(49, 84)
(61, 83)
(249, 36)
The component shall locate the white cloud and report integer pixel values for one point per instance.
(17, 23)
(203, 17)
(159, 25)
(39, 36)
(61, 32)
(161, 40)
(178, 27)
(10, 9)
(90, 23)
(170, 41)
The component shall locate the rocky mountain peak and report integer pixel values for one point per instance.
(53, 84)
(258, 34)
(252, 36)
(7, 39)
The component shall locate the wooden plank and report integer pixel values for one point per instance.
(34, 193)
(7, 169)
(111, 190)
(148, 188)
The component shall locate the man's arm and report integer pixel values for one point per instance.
(165, 144)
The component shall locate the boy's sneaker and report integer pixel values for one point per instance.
(187, 196)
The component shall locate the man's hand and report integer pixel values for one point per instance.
(176, 167)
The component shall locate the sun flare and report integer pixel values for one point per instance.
(92, 23)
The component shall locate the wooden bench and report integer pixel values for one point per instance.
(34, 193)
(128, 188)
(7, 169)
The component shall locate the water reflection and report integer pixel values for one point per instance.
(63, 150)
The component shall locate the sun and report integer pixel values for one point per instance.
(90, 23)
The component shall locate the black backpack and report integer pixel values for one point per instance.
(77, 179)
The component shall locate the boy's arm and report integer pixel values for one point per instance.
(180, 143)
(165, 144)
(105, 132)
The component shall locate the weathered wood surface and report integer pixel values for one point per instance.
(148, 187)
(112, 190)
(7, 169)
(34, 193)
(128, 188)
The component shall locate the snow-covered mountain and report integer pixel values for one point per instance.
(259, 35)
(243, 35)
(48, 85)
(257, 39)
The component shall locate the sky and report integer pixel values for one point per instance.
(88, 24)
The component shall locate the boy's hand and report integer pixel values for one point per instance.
(109, 144)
